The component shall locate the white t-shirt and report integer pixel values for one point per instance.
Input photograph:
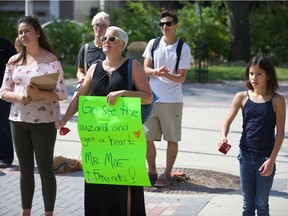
(165, 55)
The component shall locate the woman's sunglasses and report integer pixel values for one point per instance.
(161, 24)
(110, 38)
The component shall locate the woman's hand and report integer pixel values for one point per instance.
(23, 98)
(59, 124)
(111, 97)
(32, 91)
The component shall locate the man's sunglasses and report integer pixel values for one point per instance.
(110, 38)
(100, 26)
(161, 24)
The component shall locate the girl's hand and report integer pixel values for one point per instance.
(266, 168)
(221, 141)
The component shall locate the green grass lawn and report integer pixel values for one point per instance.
(215, 73)
(69, 70)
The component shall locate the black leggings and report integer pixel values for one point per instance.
(38, 139)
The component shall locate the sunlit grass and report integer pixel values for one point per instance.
(215, 73)
(69, 71)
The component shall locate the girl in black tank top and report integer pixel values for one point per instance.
(259, 120)
(262, 112)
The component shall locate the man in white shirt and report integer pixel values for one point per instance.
(166, 81)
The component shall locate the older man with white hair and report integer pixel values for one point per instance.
(92, 52)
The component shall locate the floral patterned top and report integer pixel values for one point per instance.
(17, 77)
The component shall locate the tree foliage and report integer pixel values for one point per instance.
(138, 19)
(269, 32)
(66, 38)
(144, 25)
(8, 25)
(215, 32)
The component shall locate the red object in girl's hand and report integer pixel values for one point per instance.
(64, 130)
(224, 148)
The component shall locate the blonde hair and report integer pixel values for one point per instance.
(104, 17)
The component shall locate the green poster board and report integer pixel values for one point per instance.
(113, 141)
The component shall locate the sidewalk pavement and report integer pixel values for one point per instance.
(205, 107)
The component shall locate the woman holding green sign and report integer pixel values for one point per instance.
(110, 78)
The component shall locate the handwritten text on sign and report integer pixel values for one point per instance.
(113, 141)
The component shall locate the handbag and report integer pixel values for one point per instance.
(146, 109)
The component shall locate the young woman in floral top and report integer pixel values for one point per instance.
(32, 121)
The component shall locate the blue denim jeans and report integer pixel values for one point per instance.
(255, 188)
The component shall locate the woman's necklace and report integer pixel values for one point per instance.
(110, 67)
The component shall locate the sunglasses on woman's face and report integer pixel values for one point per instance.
(110, 38)
(161, 24)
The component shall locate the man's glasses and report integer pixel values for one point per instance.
(161, 24)
(110, 38)
(101, 26)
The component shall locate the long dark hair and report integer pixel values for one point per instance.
(266, 65)
(42, 40)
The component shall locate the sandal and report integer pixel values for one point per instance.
(163, 181)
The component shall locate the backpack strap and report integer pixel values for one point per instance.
(178, 52)
(155, 44)
(85, 57)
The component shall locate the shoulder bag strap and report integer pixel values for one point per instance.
(130, 74)
(85, 57)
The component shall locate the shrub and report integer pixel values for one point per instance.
(143, 26)
(66, 37)
(268, 32)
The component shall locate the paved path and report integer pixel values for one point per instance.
(205, 108)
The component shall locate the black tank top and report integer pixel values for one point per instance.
(103, 83)
(259, 121)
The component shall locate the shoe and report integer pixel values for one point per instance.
(4, 164)
(153, 177)
(163, 181)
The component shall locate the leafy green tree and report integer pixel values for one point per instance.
(144, 25)
(269, 32)
(66, 38)
(8, 25)
(215, 31)
(138, 19)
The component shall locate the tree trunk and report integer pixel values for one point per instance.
(238, 12)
